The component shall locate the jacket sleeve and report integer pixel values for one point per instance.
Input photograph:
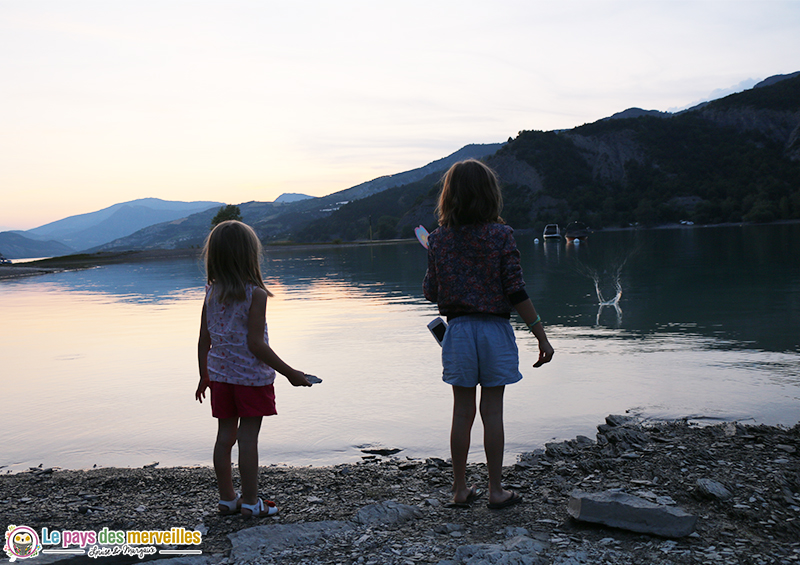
(511, 270)
(430, 284)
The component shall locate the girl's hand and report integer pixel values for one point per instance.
(298, 378)
(545, 353)
(200, 393)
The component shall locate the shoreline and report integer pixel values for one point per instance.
(91, 260)
(758, 523)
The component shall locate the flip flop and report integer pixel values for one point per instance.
(510, 501)
(228, 507)
(474, 494)
(260, 508)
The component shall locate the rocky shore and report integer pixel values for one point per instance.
(742, 483)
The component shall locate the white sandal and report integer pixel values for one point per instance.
(227, 507)
(260, 508)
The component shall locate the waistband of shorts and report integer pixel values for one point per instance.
(478, 316)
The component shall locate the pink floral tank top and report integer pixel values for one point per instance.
(229, 359)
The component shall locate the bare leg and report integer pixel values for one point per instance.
(248, 457)
(491, 407)
(463, 417)
(226, 437)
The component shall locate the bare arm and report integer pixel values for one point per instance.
(256, 321)
(203, 347)
(528, 314)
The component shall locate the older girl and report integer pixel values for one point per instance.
(474, 276)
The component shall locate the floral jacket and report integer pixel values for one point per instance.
(474, 269)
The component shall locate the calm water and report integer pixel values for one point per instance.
(99, 366)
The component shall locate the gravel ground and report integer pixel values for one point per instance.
(759, 523)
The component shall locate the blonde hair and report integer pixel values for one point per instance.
(232, 256)
(470, 195)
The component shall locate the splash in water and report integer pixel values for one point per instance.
(609, 279)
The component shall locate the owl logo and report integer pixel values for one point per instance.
(21, 543)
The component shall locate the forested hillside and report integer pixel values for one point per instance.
(736, 159)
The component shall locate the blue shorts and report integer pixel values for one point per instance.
(480, 350)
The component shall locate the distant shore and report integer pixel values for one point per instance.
(90, 260)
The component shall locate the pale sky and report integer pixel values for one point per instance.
(106, 101)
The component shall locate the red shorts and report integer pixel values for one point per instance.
(232, 401)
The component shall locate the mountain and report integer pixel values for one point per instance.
(90, 230)
(775, 79)
(187, 232)
(736, 159)
(282, 220)
(637, 113)
(473, 151)
(16, 246)
(292, 197)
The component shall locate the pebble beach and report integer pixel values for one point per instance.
(392, 509)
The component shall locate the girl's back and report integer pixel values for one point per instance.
(229, 359)
(473, 269)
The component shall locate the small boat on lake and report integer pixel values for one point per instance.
(551, 231)
(4, 261)
(576, 230)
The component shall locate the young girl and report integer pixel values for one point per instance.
(474, 276)
(237, 362)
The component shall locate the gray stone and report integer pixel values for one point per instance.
(447, 528)
(514, 531)
(524, 544)
(621, 510)
(251, 543)
(519, 550)
(558, 450)
(623, 435)
(619, 420)
(386, 513)
(712, 489)
(486, 554)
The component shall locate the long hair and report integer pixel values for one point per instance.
(232, 256)
(470, 195)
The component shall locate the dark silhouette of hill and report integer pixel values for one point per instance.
(285, 220)
(736, 159)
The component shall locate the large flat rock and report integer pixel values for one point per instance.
(254, 543)
(628, 512)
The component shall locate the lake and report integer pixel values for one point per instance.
(99, 366)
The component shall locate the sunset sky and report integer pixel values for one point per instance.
(106, 101)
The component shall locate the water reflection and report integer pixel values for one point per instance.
(738, 283)
(99, 365)
(145, 283)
